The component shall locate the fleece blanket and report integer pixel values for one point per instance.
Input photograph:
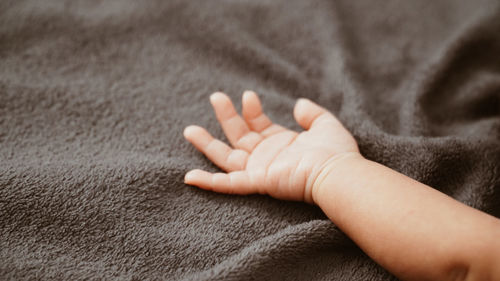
(94, 96)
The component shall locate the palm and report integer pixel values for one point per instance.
(268, 158)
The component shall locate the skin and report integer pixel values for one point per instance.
(411, 229)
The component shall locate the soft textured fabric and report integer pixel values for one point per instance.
(94, 96)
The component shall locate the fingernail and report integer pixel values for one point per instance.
(302, 100)
(216, 94)
(187, 131)
(247, 94)
(188, 177)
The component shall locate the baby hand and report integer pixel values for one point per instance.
(266, 158)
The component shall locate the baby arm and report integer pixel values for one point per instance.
(414, 231)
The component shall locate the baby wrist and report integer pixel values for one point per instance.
(328, 168)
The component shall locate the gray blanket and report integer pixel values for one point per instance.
(94, 96)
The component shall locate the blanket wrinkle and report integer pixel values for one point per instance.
(470, 57)
(94, 96)
(283, 246)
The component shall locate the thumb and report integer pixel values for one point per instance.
(308, 114)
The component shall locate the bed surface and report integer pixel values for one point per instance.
(94, 96)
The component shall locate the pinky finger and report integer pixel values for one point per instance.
(230, 183)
